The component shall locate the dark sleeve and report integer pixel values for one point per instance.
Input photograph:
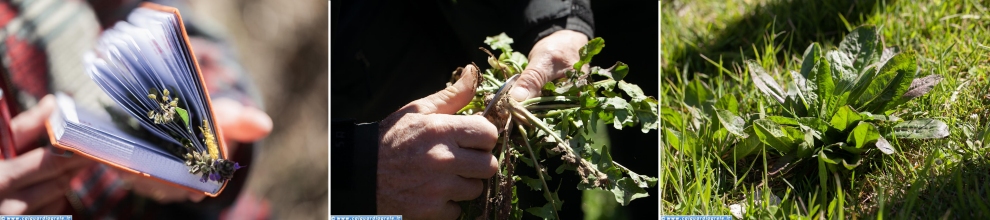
(353, 167)
(526, 22)
(543, 17)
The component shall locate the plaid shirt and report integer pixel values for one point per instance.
(41, 48)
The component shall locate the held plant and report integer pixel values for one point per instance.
(839, 106)
(559, 124)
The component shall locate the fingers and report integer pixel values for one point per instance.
(548, 60)
(196, 197)
(34, 167)
(474, 164)
(34, 197)
(158, 191)
(468, 131)
(240, 123)
(531, 82)
(450, 211)
(53, 208)
(464, 189)
(28, 126)
(474, 138)
(449, 100)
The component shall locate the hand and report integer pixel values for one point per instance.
(428, 159)
(548, 60)
(238, 124)
(35, 182)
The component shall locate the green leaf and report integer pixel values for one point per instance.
(632, 90)
(844, 117)
(500, 42)
(728, 102)
(811, 56)
(885, 146)
(772, 134)
(184, 115)
(683, 142)
(646, 113)
(799, 91)
(865, 133)
(826, 87)
(643, 181)
(619, 71)
(828, 158)
(852, 161)
(806, 144)
(534, 183)
(545, 211)
(920, 129)
(696, 93)
(765, 82)
(623, 112)
(589, 50)
(860, 47)
(517, 61)
(672, 119)
(626, 190)
(734, 124)
(815, 123)
(895, 79)
(746, 147)
(807, 80)
(842, 71)
(603, 160)
(783, 120)
(863, 83)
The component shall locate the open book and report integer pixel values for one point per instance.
(166, 128)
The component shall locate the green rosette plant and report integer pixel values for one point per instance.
(839, 106)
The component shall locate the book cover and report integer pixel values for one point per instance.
(163, 125)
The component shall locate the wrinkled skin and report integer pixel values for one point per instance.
(428, 159)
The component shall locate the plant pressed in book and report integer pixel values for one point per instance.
(560, 124)
(208, 164)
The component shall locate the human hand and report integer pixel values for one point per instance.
(238, 124)
(428, 159)
(35, 182)
(548, 60)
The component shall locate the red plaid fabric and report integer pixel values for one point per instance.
(27, 67)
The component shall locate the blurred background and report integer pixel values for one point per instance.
(283, 47)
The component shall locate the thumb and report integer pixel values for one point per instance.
(530, 83)
(451, 99)
(241, 123)
(29, 125)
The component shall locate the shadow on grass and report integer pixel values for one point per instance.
(960, 193)
(801, 22)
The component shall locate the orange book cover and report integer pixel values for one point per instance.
(92, 137)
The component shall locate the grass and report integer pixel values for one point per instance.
(703, 45)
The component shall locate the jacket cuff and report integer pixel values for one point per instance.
(353, 167)
(575, 15)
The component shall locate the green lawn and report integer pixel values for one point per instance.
(704, 44)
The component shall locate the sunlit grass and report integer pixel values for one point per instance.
(707, 40)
